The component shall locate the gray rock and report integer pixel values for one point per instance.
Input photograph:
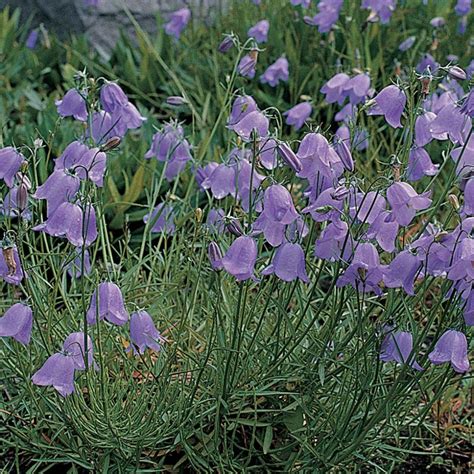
(102, 24)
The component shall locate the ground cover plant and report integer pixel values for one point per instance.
(240, 246)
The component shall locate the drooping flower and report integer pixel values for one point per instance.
(398, 347)
(70, 220)
(72, 104)
(74, 267)
(390, 103)
(58, 371)
(420, 164)
(451, 120)
(110, 305)
(143, 333)
(240, 258)
(32, 39)
(259, 31)
(327, 16)
(256, 122)
(112, 97)
(17, 322)
(382, 9)
(247, 64)
(357, 88)
(298, 114)
(407, 44)
(276, 72)
(402, 271)
(170, 146)
(242, 106)
(288, 263)
(335, 242)
(178, 22)
(451, 347)
(11, 270)
(10, 163)
(58, 188)
(162, 219)
(278, 205)
(463, 7)
(267, 153)
(427, 63)
(74, 347)
(364, 272)
(405, 201)
(334, 88)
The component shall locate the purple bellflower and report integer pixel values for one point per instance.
(259, 31)
(110, 305)
(398, 347)
(451, 347)
(10, 163)
(72, 104)
(298, 114)
(334, 88)
(178, 22)
(288, 263)
(143, 333)
(162, 218)
(390, 103)
(241, 257)
(276, 72)
(405, 201)
(71, 221)
(17, 322)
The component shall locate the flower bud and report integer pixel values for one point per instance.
(111, 144)
(215, 256)
(457, 73)
(453, 200)
(176, 100)
(225, 45)
(289, 157)
(235, 228)
(198, 215)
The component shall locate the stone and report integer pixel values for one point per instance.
(102, 24)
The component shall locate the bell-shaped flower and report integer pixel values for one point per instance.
(247, 65)
(334, 88)
(17, 322)
(288, 263)
(380, 9)
(327, 16)
(405, 201)
(74, 347)
(74, 267)
(143, 333)
(450, 120)
(267, 153)
(215, 256)
(366, 207)
(78, 160)
(112, 97)
(451, 347)
(10, 266)
(58, 371)
(59, 187)
(398, 347)
(178, 22)
(328, 205)
(420, 164)
(162, 219)
(12, 205)
(259, 31)
(278, 205)
(390, 103)
(242, 106)
(240, 258)
(384, 229)
(427, 64)
(402, 271)
(298, 114)
(71, 221)
(170, 145)
(276, 72)
(10, 163)
(406, 44)
(256, 122)
(462, 259)
(364, 272)
(357, 88)
(107, 302)
(335, 242)
(72, 104)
